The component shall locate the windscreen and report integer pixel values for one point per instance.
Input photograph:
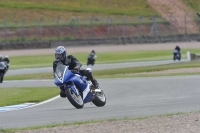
(60, 70)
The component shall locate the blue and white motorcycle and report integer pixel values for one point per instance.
(77, 88)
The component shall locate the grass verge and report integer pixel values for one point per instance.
(132, 70)
(194, 4)
(136, 7)
(18, 95)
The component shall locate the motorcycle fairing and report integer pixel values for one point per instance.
(73, 87)
(84, 86)
(87, 95)
(61, 77)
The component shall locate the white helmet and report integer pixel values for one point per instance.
(60, 53)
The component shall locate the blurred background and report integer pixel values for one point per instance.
(99, 21)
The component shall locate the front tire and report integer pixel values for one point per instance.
(75, 100)
(100, 99)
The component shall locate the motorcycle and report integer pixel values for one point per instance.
(91, 59)
(77, 88)
(3, 70)
(177, 55)
(90, 62)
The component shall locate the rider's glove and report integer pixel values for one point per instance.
(77, 68)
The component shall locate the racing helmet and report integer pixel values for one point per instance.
(60, 53)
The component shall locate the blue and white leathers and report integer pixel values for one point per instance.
(77, 82)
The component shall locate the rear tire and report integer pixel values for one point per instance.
(75, 100)
(100, 99)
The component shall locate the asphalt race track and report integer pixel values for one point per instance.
(134, 97)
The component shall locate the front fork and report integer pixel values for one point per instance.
(73, 87)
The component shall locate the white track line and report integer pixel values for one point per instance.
(25, 105)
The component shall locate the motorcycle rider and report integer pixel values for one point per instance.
(178, 48)
(1, 60)
(74, 66)
(91, 58)
(3, 68)
(6, 59)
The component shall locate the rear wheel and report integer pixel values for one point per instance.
(75, 100)
(100, 99)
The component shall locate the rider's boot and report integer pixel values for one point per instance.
(95, 83)
(92, 79)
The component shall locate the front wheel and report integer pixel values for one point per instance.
(100, 99)
(75, 100)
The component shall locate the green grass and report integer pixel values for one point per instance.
(102, 57)
(12, 96)
(129, 70)
(194, 4)
(30, 76)
(31, 61)
(14, 12)
(129, 7)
